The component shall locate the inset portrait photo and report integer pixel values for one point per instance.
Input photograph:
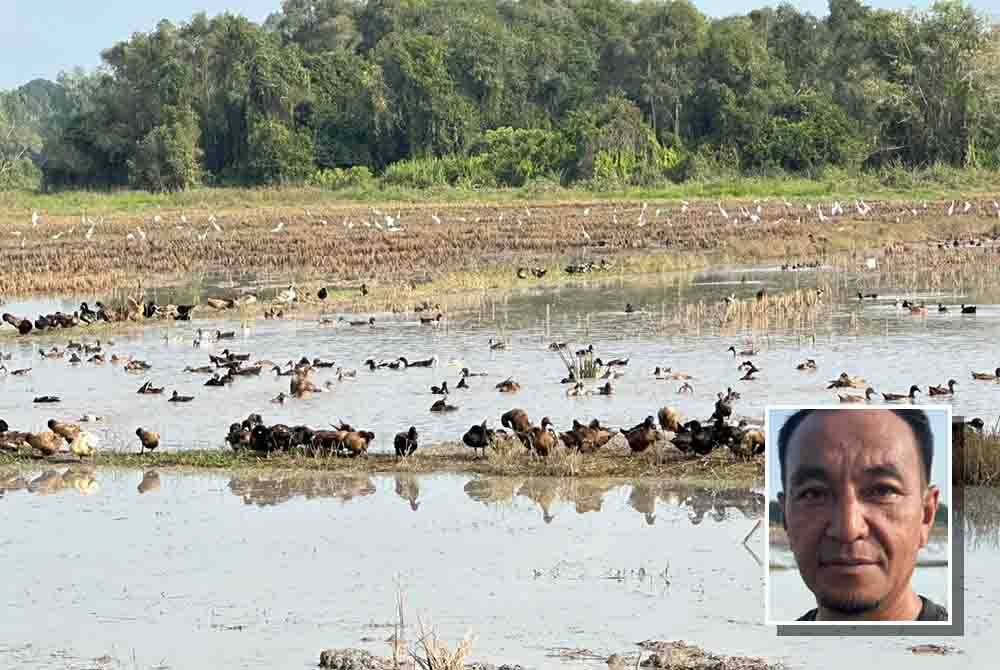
(859, 516)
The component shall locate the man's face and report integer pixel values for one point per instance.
(857, 509)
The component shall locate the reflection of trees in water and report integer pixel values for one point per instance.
(587, 495)
(264, 489)
(81, 479)
(982, 516)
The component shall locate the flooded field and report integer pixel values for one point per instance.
(885, 344)
(263, 571)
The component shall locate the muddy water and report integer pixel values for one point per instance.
(888, 346)
(264, 571)
(208, 569)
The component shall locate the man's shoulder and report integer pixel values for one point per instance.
(808, 616)
(931, 611)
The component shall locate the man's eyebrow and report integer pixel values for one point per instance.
(888, 470)
(807, 472)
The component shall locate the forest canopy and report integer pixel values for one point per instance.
(485, 93)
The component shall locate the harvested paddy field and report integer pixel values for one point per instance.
(399, 246)
(175, 543)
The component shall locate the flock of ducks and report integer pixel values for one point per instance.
(542, 439)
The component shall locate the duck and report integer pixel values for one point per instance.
(986, 376)
(467, 373)
(47, 442)
(228, 335)
(576, 390)
(47, 399)
(872, 296)
(406, 443)
(640, 437)
(217, 380)
(508, 386)
(443, 406)
(83, 445)
(369, 322)
(426, 363)
(149, 389)
(52, 353)
(749, 376)
(322, 293)
(440, 390)
(20, 372)
(461, 384)
(942, 308)
(318, 363)
(67, 431)
(558, 346)
(745, 352)
(478, 437)
(615, 362)
(869, 392)
(356, 442)
(629, 308)
(496, 345)
(847, 381)
(669, 418)
(583, 352)
(539, 439)
(606, 389)
(895, 397)
(431, 320)
(345, 374)
(809, 364)
(918, 309)
(948, 389)
(180, 398)
(148, 439)
(279, 399)
(970, 309)
(686, 388)
(515, 419)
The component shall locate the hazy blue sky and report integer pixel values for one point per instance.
(38, 38)
(939, 465)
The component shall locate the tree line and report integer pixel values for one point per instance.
(488, 93)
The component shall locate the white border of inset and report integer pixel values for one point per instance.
(772, 452)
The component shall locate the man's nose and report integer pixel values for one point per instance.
(848, 520)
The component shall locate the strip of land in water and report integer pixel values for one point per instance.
(720, 467)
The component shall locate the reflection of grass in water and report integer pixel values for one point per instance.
(982, 516)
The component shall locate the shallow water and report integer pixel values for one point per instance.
(263, 571)
(888, 346)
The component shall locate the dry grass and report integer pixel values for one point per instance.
(345, 251)
(982, 457)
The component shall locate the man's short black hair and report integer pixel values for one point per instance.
(916, 419)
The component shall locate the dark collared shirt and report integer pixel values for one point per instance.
(930, 611)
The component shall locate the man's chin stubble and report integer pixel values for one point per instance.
(849, 606)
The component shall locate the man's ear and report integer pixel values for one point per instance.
(932, 497)
(784, 515)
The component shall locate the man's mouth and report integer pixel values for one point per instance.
(848, 562)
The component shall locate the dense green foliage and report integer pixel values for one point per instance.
(480, 93)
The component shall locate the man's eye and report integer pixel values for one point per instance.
(883, 491)
(810, 495)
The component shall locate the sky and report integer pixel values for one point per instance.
(939, 428)
(40, 38)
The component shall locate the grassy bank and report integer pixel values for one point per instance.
(720, 467)
(891, 183)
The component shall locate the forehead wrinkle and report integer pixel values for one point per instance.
(854, 447)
